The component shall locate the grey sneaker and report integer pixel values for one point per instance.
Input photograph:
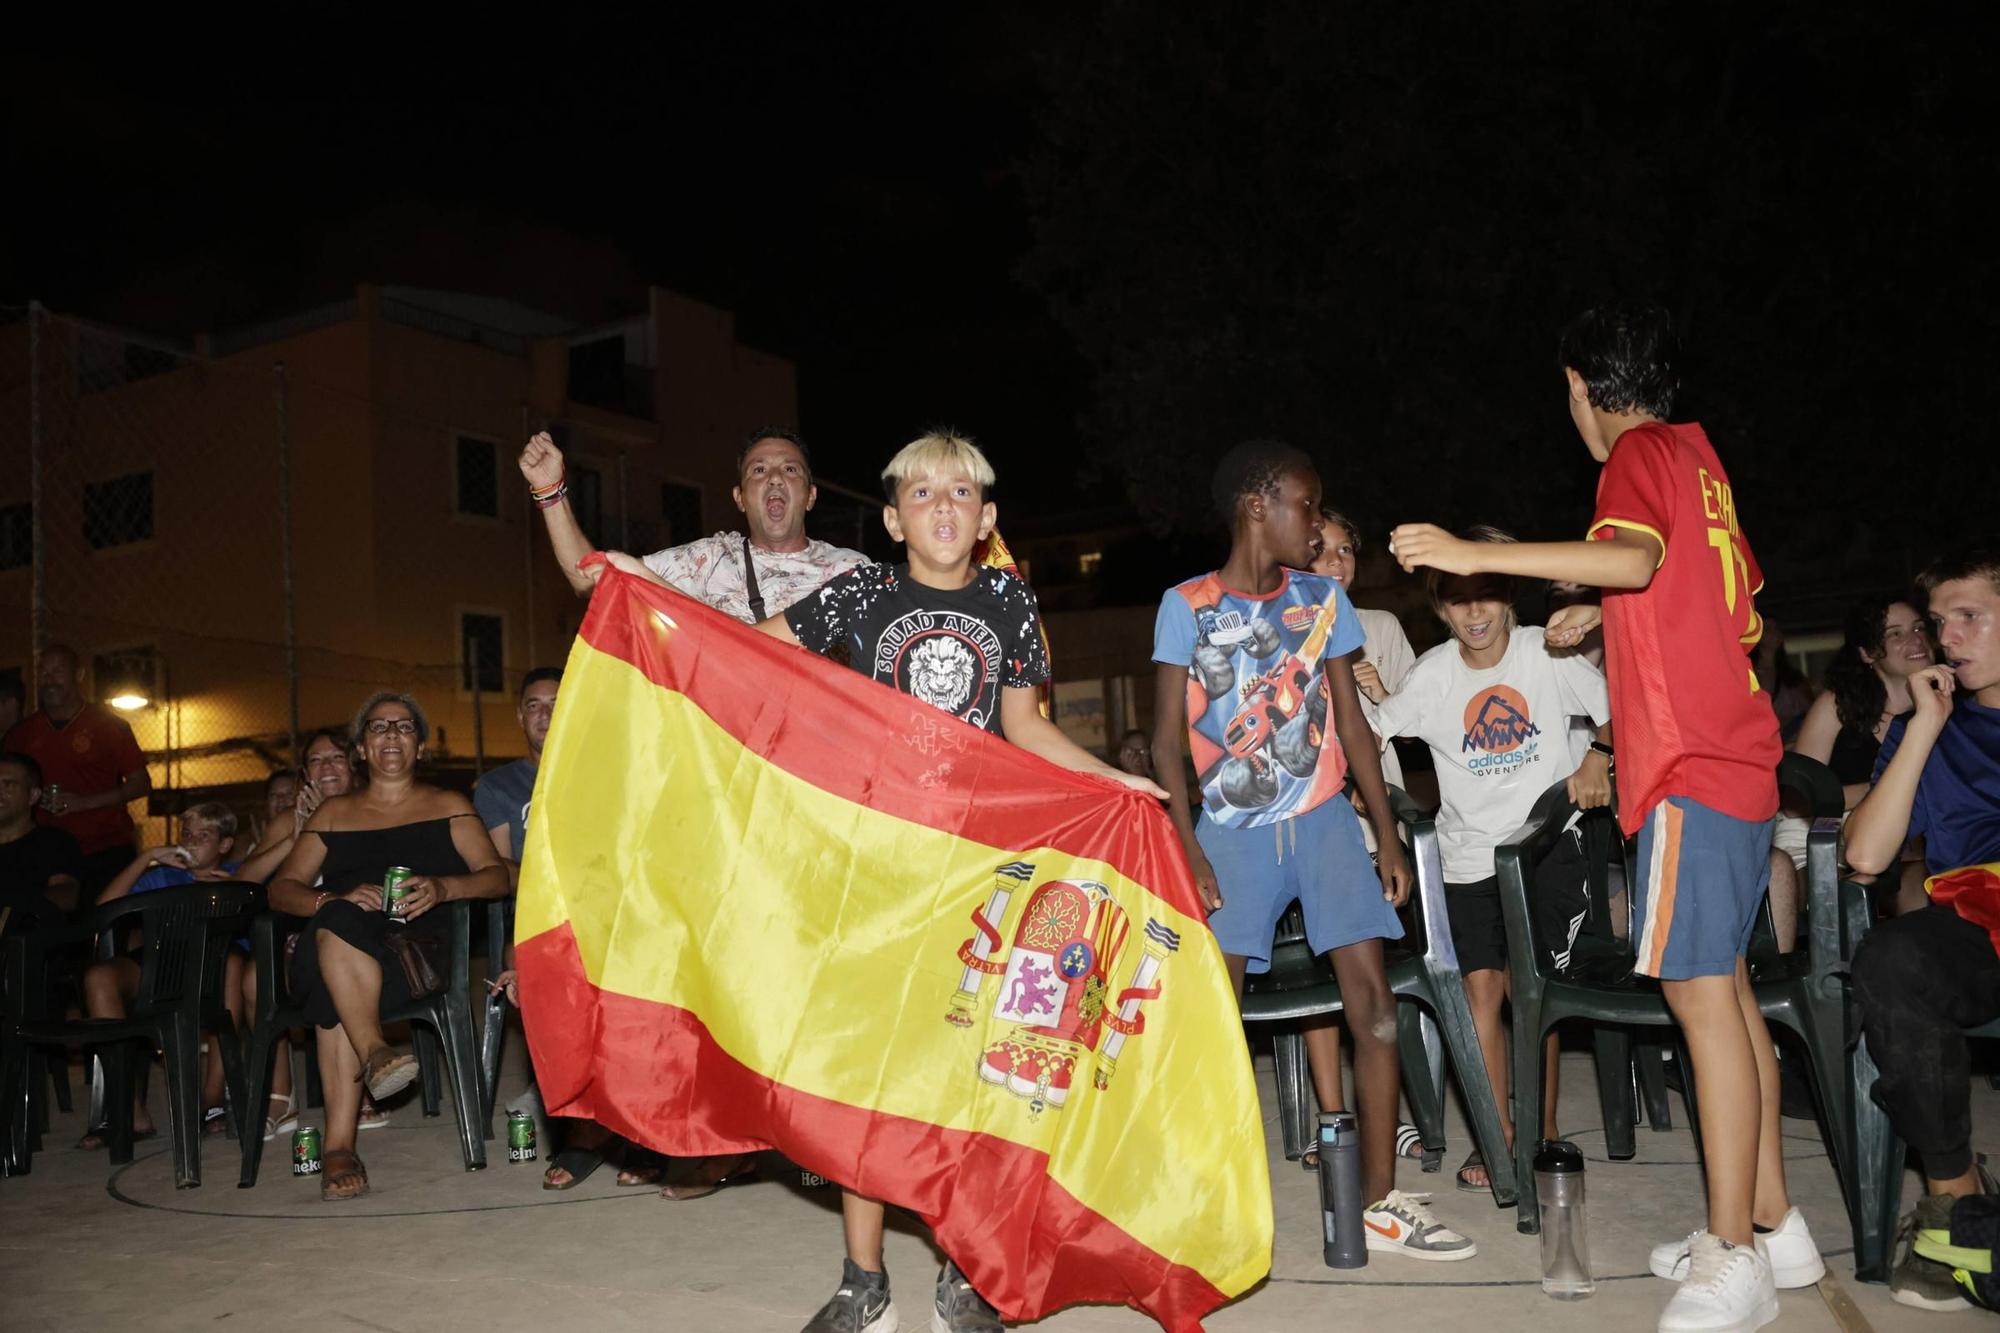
(1924, 1284)
(959, 1308)
(1404, 1224)
(862, 1304)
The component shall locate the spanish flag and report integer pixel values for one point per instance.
(769, 903)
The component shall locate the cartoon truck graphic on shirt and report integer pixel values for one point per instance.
(1281, 715)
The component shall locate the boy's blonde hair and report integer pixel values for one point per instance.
(937, 454)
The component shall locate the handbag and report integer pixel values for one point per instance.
(419, 973)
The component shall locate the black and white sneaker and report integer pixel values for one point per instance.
(862, 1304)
(959, 1308)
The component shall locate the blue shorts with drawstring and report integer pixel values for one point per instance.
(1317, 858)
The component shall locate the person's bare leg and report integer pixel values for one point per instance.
(1958, 1187)
(1484, 992)
(1322, 1037)
(862, 1220)
(212, 1074)
(281, 1050)
(1784, 900)
(1730, 1100)
(354, 982)
(1371, 1025)
(1770, 1201)
(340, 1085)
(1551, 1086)
(1910, 895)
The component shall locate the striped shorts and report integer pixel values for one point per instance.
(1701, 878)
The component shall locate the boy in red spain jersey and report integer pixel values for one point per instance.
(1698, 751)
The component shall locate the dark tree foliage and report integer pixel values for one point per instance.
(1360, 227)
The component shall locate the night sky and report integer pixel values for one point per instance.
(1108, 240)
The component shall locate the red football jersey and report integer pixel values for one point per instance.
(89, 754)
(1691, 718)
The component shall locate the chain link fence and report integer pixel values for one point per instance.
(178, 518)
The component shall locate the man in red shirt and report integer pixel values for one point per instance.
(92, 768)
(1698, 753)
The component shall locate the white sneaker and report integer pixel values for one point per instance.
(1727, 1290)
(1404, 1224)
(1790, 1251)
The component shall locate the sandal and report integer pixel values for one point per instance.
(578, 1162)
(372, 1116)
(215, 1120)
(385, 1072)
(100, 1138)
(330, 1172)
(741, 1169)
(1474, 1162)
(284, 1122)
(1409, 1141)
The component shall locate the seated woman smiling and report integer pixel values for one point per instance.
(345, 970)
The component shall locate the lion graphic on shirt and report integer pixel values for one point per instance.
(941, 673)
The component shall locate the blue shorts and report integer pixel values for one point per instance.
(1318, 858)
(1702, 877)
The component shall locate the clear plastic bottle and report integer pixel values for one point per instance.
(1565, 1245)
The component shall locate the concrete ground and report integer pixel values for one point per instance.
(433, 1248)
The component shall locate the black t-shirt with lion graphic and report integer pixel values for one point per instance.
(955, 650)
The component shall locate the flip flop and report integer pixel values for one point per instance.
(1474, 1160)
(579, 1162)
(98, 1139)
(1409, 1141)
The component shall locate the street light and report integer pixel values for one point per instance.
(128, 685)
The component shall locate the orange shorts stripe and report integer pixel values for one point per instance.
(1660, 908)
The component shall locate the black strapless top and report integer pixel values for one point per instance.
(1853, 757)
(362, 856)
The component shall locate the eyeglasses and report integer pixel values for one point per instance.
(382, 726)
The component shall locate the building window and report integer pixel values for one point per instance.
(597, 372)
(118, 512)
(17, 536)
(680, 510)
(478, 474)
(1089, 562)
(482, 638)
(586, 501)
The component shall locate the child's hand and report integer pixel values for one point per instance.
(508, 984)
(172, 854)
(1204, 878)
(1590, 785)
(1569, 626)
(1416, 545)
(1394, 868)
(1369, 681)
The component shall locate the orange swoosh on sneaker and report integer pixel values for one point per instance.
(1394, 1231)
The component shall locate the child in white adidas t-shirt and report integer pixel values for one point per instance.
(1493, 703)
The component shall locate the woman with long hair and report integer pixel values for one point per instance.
(1867, 685)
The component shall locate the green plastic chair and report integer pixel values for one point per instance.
(1805, 991)
(1433, 1018)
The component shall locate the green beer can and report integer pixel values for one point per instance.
(305, 1151)
(520, 1136)
(393, 891)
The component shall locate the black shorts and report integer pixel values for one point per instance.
(1478, 928)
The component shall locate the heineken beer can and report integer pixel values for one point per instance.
(305, 1151)
(393, 891)
(520, 1137)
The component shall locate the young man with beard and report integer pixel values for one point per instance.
(1922, 977)
(751, 578)
(985, 668)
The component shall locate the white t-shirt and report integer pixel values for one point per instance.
(1388, 649)
(710, 570)
(1501, 737)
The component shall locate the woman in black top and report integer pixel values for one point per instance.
(344, 971)
(1867, 686)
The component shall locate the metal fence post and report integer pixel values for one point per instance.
(285, 538)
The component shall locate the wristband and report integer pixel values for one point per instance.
(552, 499)
(1603, 749)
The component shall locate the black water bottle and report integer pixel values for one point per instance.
(1340, 1191)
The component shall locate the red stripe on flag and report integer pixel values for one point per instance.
(927, 767)
(1027, 1244)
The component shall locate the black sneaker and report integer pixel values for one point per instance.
(959, 1308)
(862, 1304)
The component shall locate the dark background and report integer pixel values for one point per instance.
(1108, 240)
